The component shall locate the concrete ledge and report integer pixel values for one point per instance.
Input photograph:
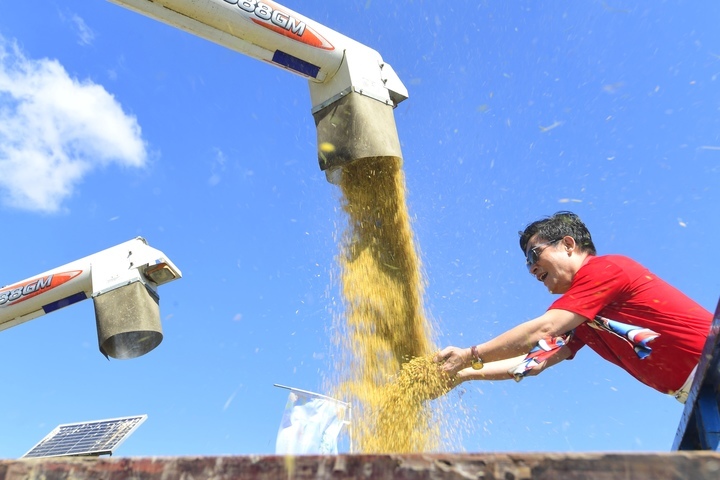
(520, 466)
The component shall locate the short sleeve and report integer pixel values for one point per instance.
(596, 284)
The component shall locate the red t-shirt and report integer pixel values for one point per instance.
(617, 292)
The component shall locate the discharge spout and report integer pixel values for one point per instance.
(352, 90)
(122, 281)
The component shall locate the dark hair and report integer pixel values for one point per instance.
(559, 225)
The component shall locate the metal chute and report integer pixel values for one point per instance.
(353, 91)
(121, 280)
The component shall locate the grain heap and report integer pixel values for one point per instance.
(385, 340)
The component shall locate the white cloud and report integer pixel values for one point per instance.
(86, 35)
(54, 130)
(217, 168)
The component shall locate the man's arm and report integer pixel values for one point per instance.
(516, 341)
(499, 370)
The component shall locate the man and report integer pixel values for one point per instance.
(610, 303)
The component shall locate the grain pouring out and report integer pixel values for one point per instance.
(384, 337)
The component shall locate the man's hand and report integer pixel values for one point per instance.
(453, 359)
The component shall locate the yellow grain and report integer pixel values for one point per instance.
(385, 365)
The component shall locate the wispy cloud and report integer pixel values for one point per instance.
(54, 130)
(217, 168)
(85, 34)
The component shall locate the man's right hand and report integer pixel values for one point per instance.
(453, 359)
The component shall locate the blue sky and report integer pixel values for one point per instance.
(114, 126)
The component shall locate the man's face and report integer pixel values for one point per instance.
(549, 261)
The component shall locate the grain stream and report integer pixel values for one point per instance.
(384, 337)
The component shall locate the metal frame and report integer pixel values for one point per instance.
(699, 427)
(98, 437)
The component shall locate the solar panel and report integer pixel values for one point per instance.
(99, 437)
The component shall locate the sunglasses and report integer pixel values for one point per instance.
(533, 255)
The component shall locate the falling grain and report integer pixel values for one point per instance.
(386, 370)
